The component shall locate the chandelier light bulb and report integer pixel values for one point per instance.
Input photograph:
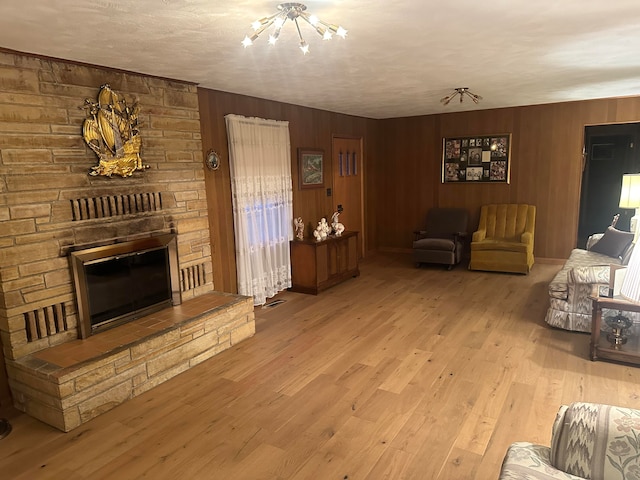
(247, 42)
(292, 11)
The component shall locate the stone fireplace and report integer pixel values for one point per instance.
(50, 207)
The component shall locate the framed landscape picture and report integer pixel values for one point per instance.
(311, 168)
(477, 159)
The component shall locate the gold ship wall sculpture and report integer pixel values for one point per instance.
(111, 131)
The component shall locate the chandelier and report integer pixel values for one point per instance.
(292, 11)
(461, 91)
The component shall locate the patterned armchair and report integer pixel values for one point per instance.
(589, 441)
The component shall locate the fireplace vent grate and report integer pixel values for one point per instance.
(45, 322)
(89, 208)
(192, 277)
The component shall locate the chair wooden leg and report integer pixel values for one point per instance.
(5, 428)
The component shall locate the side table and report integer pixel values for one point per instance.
(316, 266)
(601, 348)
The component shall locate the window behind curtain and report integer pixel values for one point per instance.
(260, 162)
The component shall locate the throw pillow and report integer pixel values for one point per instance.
(613, 243)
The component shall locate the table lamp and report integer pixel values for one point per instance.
(630, 289)
(630, 198)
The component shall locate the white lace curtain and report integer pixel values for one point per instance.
(260, 162)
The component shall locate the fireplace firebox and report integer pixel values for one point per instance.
(120, 282)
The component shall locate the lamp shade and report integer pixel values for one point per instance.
(630, 289)
(630, 191)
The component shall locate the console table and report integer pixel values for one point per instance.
(600, 346)
(316, 266)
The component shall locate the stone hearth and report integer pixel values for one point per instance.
(72, 383)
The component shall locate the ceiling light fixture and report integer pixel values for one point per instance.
(461, 91)
(292, 11)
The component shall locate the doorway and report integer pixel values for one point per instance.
(610, 152)
(348, 186)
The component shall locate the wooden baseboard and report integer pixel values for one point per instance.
(551, 261)
(548, 261)
(394, 250)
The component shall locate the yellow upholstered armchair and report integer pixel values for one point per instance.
(504, 239)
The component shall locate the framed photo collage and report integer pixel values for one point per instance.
(483, 158)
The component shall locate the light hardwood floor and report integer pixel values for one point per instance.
(402, 373)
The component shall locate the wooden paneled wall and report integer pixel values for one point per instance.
(546, 168)
(308, 128)
(402, 167)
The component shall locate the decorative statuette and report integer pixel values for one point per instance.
(299, 228)
(111, 131)
(322, 230)
(338, 228)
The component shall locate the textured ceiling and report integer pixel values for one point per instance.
(399, 58)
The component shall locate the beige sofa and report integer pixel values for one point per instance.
(588, 441)
(585, 273)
